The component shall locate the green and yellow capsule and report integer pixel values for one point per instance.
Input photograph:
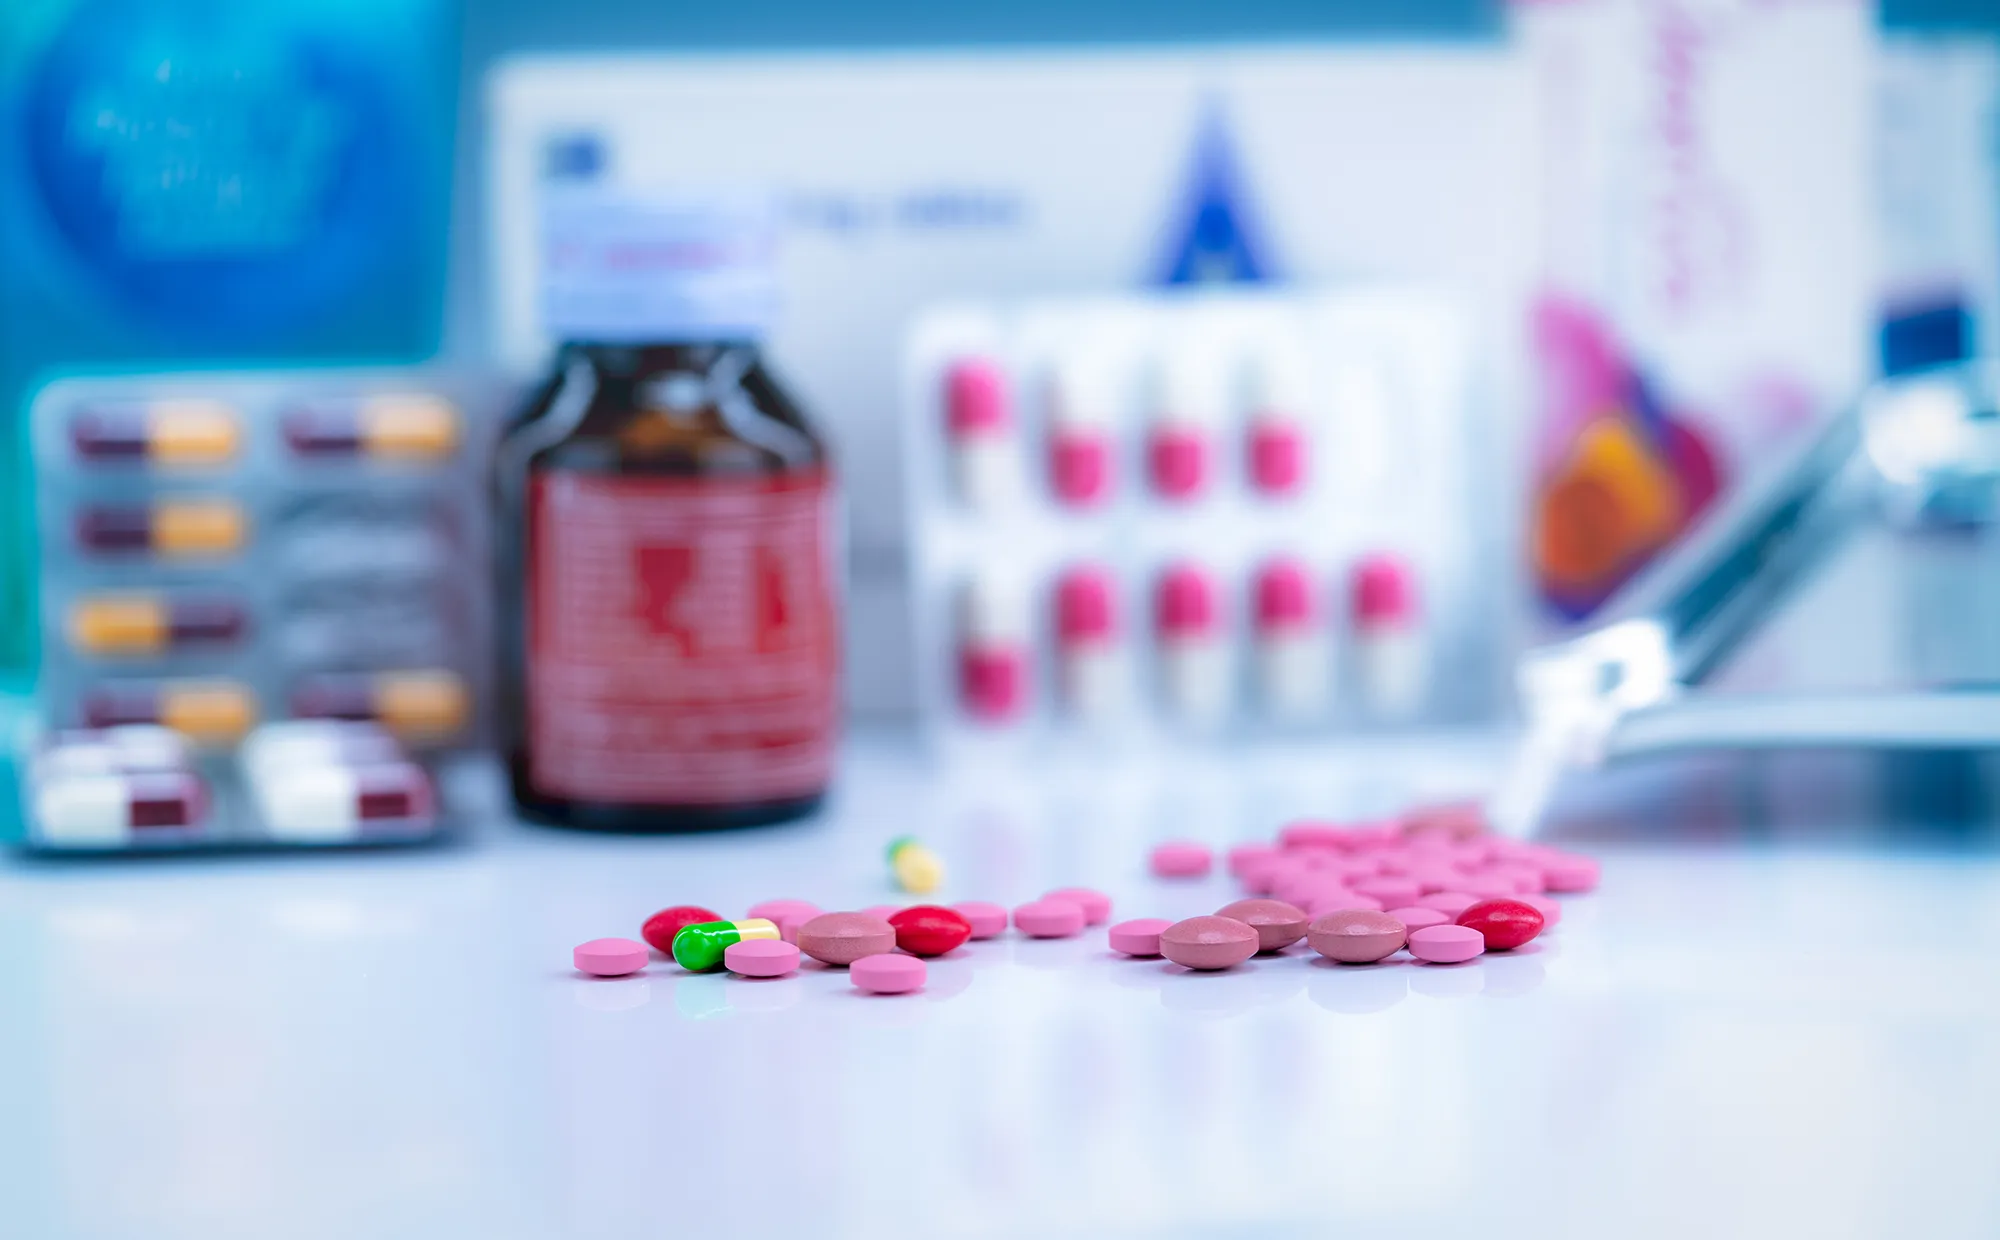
(698, 948)
(918, 870)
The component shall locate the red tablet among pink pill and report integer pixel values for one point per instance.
(1049, 919)
(887, 974)
(610, 957)
(1182, 859)
(1139, 937)
(1446, 944)
(760, 958)
(988, 920)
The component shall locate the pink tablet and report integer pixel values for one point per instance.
(760, 958)
(1140, 937)
(1096, 905)
(1450, 903)
(1182, 859)
(610, 957)
(887, 974)
(1208, 942)
(1568, 873)
(987, 919)
(1049, 919)
(1416, 917)
(776, 911)
(1447, 944)
(1278, 924)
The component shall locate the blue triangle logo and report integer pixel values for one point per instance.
(1216, 241)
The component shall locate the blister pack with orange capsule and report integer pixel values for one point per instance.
(220, 551)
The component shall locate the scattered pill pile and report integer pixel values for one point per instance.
(1433, 883)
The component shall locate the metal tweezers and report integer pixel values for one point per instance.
(1923, 448)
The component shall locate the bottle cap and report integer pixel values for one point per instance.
(1186, 602)
(1385, 590)
(1086, 605)
(637, 266)
(1284, 594)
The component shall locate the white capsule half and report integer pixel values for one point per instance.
(1391, 671)
(1293, 673)
(1195, 679)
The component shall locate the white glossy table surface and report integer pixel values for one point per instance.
(1771, 1041)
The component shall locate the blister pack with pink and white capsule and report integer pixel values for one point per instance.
(1201, 515)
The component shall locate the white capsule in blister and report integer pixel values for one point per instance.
(110, 809)
(1180, 448)
(288, 744)
(1291, 649)
(332, 803)
(1391, 651)
(1080, 414)
(1193, 658)
(1293, 670)
(993, 649)
(1092, 657)
(985, 456)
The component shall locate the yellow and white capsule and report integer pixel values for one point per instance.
(918, 870)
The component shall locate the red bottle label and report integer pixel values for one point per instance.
(682, 641)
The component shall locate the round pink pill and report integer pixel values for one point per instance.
(1356, 936)
(1312, 835)
(1139, 937)
(1096, 905)
(610, 957)
(1415, 917)
(1570, 874)
(1049, 919)
(1450, 903)
(760, 958)
(842, 938)
(1343, 901)
(1447, 944)
(776, 911)
(1208, 942)
(1392, 892)
(987, 919)
(884, 911)
(1244, 856)
(1182, 859)
(887, 974)
(1278, 924)
(1550, 909)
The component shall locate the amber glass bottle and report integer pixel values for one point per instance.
(669, 578)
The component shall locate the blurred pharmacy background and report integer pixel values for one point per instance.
(1662, 243)
(417, 417)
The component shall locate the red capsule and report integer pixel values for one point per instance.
(930, 930)
(662, 926)
(1503, 923)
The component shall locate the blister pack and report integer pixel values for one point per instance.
(1201, 515)
(220, 550)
